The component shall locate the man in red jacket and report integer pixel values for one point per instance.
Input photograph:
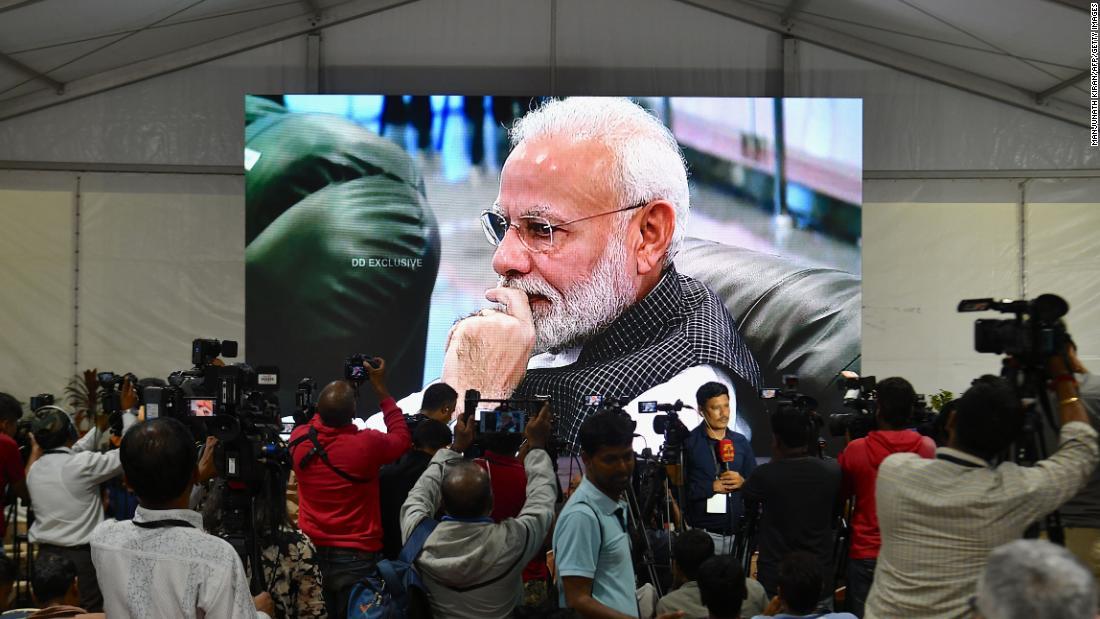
(337, 468)
(859, 464)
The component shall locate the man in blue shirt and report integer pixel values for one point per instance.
(591, 544)
(714, 490)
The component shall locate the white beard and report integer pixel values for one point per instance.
(584, 310)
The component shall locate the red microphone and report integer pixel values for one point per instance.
(725, 454)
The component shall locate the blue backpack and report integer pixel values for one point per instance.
(395, 590)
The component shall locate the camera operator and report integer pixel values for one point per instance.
(799, 493)
(940, 518)
(337, 468)
(397, 479)
(471, 565)
(859, 464)
(12, 472)
(63, 481)
(714, 486)
(1081, 514)
(162, 563)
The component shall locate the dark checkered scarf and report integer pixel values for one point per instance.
(678, 325)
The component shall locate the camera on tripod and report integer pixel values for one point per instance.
(669, 426)
(235, 403)
(1034, 335)
(860, 399)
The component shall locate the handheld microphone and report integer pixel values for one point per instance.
(726, 454)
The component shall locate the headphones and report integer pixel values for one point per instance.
(43, 418)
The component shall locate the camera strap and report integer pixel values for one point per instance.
(959, 461)
(319, 451)
(163, 524)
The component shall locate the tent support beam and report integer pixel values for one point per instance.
(894, 59)
(200, 54)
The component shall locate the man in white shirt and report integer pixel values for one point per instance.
(63, 479)
(162, 563)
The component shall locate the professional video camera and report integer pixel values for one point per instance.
(1032, 336)
(304, 407)
(23, 426)
(237, 404)
(668, 425)
(40, 400)
(1029, 340)
(859, 396)
(788, 397)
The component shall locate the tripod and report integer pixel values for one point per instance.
(20, 544)
(1032, 445)
(646, 549)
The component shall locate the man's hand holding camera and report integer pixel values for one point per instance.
(539, 428)
(464, 433)
(376, 372)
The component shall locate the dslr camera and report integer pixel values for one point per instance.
(353, 367)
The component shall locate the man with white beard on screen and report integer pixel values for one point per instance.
(590, 215)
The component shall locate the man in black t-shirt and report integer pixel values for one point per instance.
(799, 495)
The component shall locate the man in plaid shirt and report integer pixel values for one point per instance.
(940, 518)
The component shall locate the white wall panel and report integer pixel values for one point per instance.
(1063, 255)
(162, 262)
(36, 282)
(919, 260)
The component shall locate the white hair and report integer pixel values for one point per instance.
(593, 303)
(1035, 579)
(647, 160)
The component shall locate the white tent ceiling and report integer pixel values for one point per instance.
(1029, 53)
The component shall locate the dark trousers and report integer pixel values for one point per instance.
(91, 599)
(341, 568)
(861, 573)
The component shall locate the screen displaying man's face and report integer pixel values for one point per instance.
(366, 230)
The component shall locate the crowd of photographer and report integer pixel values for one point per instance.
(455, 514)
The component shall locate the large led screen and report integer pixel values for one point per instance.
(632, 249)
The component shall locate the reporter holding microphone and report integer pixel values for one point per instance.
(717, 462)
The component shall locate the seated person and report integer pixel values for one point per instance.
(722, 587)
(799, 588)
(55, 589)
(690, 549)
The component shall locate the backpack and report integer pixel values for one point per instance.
(395, 590)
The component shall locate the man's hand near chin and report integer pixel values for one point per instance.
(489, 351)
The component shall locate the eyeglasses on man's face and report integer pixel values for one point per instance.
(535, 232)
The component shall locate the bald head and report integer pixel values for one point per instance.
(336, 404)
(467, 492)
